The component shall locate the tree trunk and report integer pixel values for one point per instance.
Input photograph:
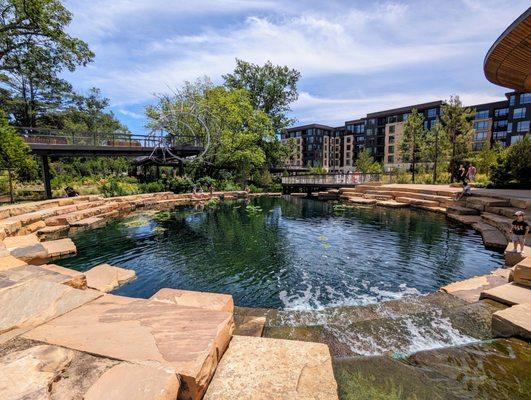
(11, 185)
(452, 162)
(436, 158)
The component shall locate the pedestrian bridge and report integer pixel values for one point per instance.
(319, 182)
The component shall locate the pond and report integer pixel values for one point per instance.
(289, 253)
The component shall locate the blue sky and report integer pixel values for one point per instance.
(354, 56)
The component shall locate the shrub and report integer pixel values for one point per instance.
(180, 184)
(114, 187)
(151, 187)
(519, 161)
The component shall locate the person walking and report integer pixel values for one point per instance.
(471, 173)
(462, 173)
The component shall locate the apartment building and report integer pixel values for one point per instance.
(336, 148)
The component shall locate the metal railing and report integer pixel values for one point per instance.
(110, 139)
(330, 179)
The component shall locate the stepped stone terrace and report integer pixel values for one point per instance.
(63, 335)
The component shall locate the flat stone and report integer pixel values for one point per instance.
(189, 340)
(31, 253)
(512, 257)
(513, 321)
(262, 368)
(247, 325)
(89, 222)
(28, 374)
(25, 273)
(12, 242)
(134, 382)
(52, 232)
(105, 277)
(361, 200)
(60, 247)
(522, 274)
(492, 237)
(75, 279)
(460, 210)
(28, 304)
(510, 294)
(464, 219)
(209, 301)
(9, 261)
(470, 289)
(27, 361)
(390, 204)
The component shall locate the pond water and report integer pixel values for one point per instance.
(290, 253)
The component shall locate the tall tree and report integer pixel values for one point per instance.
(272, 88)
(412, 140)
(42, 22)
(435, 148)
(34, 51)
(457, 123)
(14, 152)
(365, 163)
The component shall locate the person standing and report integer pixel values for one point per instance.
(519, 230)
(471, 173)
(462, 173)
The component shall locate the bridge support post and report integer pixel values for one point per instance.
(46, 177)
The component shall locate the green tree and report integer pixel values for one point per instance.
(485, 159)
(14, 152)
(412, 140)
(272, 88)
(365, 163)
(457, 123)
(41, 22)
(519, 162)
(36, 52)
(435, 148)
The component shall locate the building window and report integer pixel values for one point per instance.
(391, 119)
(391, 139)
(391, 149)
(509, 127)
(391, 159)
(516, 138)
(405, 117)
(500, 135)
(501, 112)
(480, 136)
(392, 129)
(432, 113)
(511, 100)
(426, 125)
(525, 98)
(522, 126)
(502, 123)
(481, 125)
(482, 114)
(477, 146)
(519, 113)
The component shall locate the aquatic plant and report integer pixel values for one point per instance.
(162, 216)
(253, 209)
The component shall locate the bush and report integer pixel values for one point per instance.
(114, 187)
(513, 166)
(180, 184)
(152, 187)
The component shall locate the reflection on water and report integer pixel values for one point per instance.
(293, 253)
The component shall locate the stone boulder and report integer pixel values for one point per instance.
(513, 321)
(105, 277)
(264, 369)
(209, 301)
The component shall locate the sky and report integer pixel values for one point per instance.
(354, 57)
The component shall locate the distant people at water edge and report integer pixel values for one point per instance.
(462, 173)
(519, 230)
(70, 192)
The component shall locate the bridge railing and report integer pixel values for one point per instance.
(60, 137)
(330, 179)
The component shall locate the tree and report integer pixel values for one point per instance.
(365, 163)
(14, 152)
(272, 88)
(456, 122)
(435, 148)
(42, 22)
(36, 50)
(412, 140)
(519, 161)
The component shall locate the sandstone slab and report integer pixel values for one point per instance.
(8, 261)
(522, 273)
(249, 325)
(30, 303)
(470, 289)
(510, 294)
(105, 277)
(464, 219)
(52, 232)
(513, 321)
(512, 257)
(264, 369)
(75, 278)
(189, 340)
(26, 273)
(134, 382)
(33, 253)
(60, 247)
(209, 301)
(12, 242)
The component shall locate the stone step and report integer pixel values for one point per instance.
(510, 294)
(492, 237)
(423, 196)
(464, 219)
(512, 257)
(440, 210)
(456, 209)
(411, 200)
(25, 208)
(106, 278)
(522, 273)
(470, 289)
(513, 321)
(479, 203)
(52, 232)
(505, 211)
(59, 247)
(89, 222)
(189, 341)
(378, 196)
(521, 203)
(263, 368)
(391, 204)
(67, 219)
(361, 200)
(500, 222)
(187, 298)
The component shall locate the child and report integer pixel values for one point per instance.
(519, 230)
(467, 191)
